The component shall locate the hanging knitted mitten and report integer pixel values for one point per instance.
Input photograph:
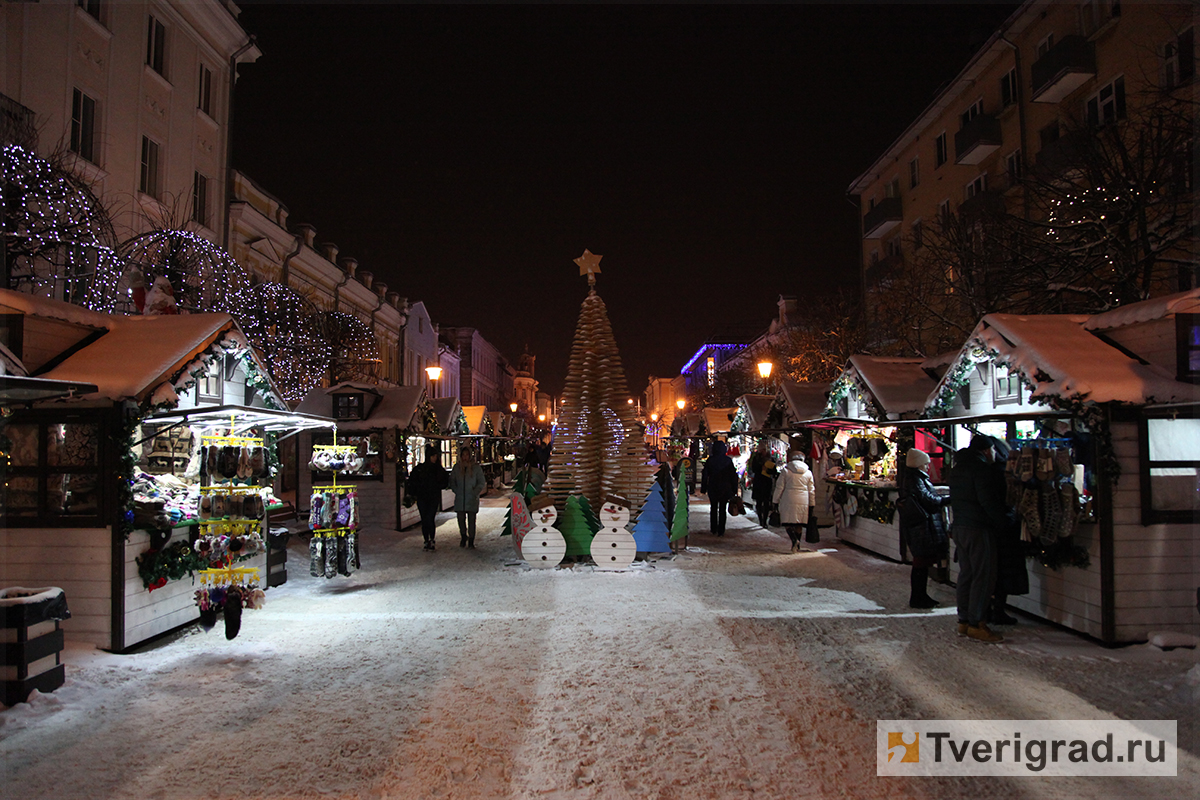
(343, 515)
(233, 612)
(243, 470)
(258, 462)
(316, 557)
(205, 506)
(342, 566)
(220, 508)
(1025, 470)
(352, 552)
(229, 461)
(1062, 462)
(1044, 470)
(329, 511)
(1029, 513)
(331, 557)
(211, 459)
(315, 505)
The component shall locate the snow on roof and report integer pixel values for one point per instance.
(397, 408)
(898, 385)
(805, 400)
(757, 406)
(475, 416)
(1155, 308)
(497, 419)
(1072, 363)
(139, 354)
(364, 387)
(940, 363)
(718, 420)
(53, 309)
(445, 410)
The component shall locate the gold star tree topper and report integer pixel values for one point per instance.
(589, 264)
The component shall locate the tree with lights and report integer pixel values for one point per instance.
(598, 449)
(284, 328)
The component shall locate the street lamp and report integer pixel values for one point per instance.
(513, 406)
(654, 427)
(681, 403)
(434, 374)
(764, 369)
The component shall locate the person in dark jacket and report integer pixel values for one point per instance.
(977, 500)
(719, 482)
(922, 525)
(1012, 576)
(425, 483)
(761, 472)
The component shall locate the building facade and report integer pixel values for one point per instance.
(136, 97)
(485, 375)
(1053, 72)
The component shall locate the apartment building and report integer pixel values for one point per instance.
(485, 375)
(137, 94)
(1053, 71)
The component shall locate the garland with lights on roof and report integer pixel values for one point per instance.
(597, 448)
(57, 235)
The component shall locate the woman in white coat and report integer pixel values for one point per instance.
(795, 492)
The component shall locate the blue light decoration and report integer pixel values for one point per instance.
(704, 350)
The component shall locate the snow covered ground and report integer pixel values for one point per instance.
(735, 670)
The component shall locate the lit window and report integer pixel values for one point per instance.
(1187, 338)
(1171, 482)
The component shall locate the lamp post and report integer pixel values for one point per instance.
(434, 373)
(654, 428)
(764, 370)
(513, 406)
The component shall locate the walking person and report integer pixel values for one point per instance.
(795, 491)
(761, 471)
(977, 500)
(468, 483)
(922, 525)
(425, 483)
(719, 482)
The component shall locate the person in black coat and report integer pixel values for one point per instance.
(980, 516)
(762, 471)
(425, 483)
(923, 526)
(719, 482)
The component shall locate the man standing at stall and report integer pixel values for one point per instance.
(425, 483)
(977, 499)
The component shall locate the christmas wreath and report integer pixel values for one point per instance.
(172, 562)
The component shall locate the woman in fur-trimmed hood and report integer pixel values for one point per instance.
(795, 491)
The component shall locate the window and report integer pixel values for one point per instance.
(892, 247)
(1049, 134)
(914, 172)
(1171, 470)
(973, 111)
(1187, 346)
(1012, 167)
(156, 46)
(940, 144)
(1107, 105)
(874, 257)
(1179, 60)
(976, 187)
(348, 406)
(83, 126)
(893, 188)
(90, 6)
(54, 476)
(1008, 88)
(1007, 385)
(211, 387)
(200, 200)
(944, 212)
(151, 183)
(1093, 14)
(918, 235)
(1044, 45)
(204, 94)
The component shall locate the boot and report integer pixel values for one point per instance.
(996, 613)
(918, 597)
(981, 633)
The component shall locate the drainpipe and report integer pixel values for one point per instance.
(1020, 101)
(233, 59)
(862, 272)
(348, 269)
(283, 269)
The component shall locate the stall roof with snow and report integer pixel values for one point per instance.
(893, 387)
(391, 406)
(448, 414)
(478, 422)
(803, 400)
(754, 410)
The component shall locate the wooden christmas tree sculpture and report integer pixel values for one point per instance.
(576, 528)
(598, 449)
(679, 525)
(651, 531)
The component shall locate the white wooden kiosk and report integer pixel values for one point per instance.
(1125, 377)
(65, 515)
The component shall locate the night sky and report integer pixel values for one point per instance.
(466, 155)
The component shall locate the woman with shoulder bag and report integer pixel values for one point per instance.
(922, 525)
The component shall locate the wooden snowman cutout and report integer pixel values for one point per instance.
(613, 547)
(543, 547)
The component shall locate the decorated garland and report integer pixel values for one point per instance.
(156, 567)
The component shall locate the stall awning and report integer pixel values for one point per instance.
(17, 389)
(241, 418)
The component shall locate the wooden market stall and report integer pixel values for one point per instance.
(88, 491)
(1122, 433)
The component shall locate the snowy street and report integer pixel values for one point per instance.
(734, 670)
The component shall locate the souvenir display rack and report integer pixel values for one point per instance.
(333, 517)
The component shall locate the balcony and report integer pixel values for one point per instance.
(882, 218)
(1067, 66)
(977, 140)
(986, 204)
(885, 269)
